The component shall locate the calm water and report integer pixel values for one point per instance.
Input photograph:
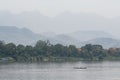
(61, 71)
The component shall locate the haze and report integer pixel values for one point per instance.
(103, 14)
(107, 8)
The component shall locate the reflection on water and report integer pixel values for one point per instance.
(106, 70)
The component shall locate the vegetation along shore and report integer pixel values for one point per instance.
(44, 51)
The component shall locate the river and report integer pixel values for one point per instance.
(106, 70)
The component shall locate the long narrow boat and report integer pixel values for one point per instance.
(80, 67)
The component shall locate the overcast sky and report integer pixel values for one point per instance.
(107, 8)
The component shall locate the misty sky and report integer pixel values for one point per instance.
(107, 8)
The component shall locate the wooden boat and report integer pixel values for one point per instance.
(80, 67)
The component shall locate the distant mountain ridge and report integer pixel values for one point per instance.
(105, 42)
(27, 37)
(18, 35)
(88, 35)
(66, 22)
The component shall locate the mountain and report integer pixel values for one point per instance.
(105, 42)
(48, 34)
(65, 22)
(66, 40)
(26, 36)
(88, 35)
(18, 35)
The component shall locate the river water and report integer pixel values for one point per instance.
(106, 70)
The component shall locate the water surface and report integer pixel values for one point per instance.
(106, 70)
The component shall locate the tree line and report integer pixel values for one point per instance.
(45, 51)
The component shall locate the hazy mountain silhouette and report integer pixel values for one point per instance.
(18, 35)
(61, 23)
(66, 22)
(65, 39)
(105, 42)
(88, 35)
(26, 36)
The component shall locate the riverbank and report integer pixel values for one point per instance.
(55, 59)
